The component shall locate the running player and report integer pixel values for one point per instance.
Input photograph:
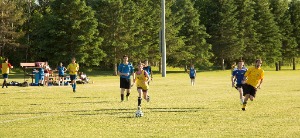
(237, 77)
(142, 78)
(61, 73)
(125, 70)
(73, 69)
(253, 79)
(192, 73)
(5, 71)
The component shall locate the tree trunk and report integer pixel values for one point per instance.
(160, 66)
(115, 64)
(115, 69)
(294, 64)
(277, 66)
(223, 65)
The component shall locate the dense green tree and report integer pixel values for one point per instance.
(247, 33)
(174, 42)
(11, 21)
(283, 19)
(269, 36)
(224, 30)
(196, 50)
(120, 30)
(66, 29)
(294, 12)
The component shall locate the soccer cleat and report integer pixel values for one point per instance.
(244, 107)
(148, 98)
(74, 90)
(127, 98)
(139, 108)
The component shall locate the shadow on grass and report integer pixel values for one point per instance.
(198, 109)
(26, 113)
(85, 102)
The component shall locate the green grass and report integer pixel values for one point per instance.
(211, 108)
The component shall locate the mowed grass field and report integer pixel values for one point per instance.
(211, 108)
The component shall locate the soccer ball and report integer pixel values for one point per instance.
(139, 113)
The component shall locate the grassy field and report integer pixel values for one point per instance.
(211, 108)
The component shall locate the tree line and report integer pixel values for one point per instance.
(206, 33)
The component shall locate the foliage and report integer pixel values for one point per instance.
(99, 32)
(67, 29)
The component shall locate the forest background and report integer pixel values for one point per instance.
(212, 34)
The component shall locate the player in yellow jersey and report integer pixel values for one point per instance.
(141, 78)
(5, 71)
(252, 81)
(73, 69)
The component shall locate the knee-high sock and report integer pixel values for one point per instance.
(139, 101)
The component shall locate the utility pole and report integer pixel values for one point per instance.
(163, 37)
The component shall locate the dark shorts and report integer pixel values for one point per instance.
(5, 76)
(239, 85)
(60, 75)
(248, 89)
(193, 77)
(125, 83)
(73, 77)
(142, 89)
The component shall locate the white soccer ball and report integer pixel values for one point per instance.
(139, 113)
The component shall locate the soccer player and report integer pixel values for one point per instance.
(41, 75)
(253, 79)
(73, 69)
(61, 72)
(192, 73)
(5, 71)
(147, 68)
(238, 76)
(46, 73)
(125, 70)
(141, 79)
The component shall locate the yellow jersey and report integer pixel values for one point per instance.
(141, 80)
(254, 76)
(73, 68)
(5, 68)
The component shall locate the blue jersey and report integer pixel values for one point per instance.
(239, 74)
(148, 70)
(126, 69)
(41, 71)
(192, 72)
(61, 70)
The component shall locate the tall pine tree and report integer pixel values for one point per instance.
(279, 9)
(224, 30)
(70, 28)
(247, 33)
(294, 10)
(269, 36)
(196, 50)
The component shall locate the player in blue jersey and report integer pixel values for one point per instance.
(41, 75)
(147, 68)
(61, 72)
(192, 74)
(237, 77)
(125, 70)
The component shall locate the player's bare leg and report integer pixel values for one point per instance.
(241, 95)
